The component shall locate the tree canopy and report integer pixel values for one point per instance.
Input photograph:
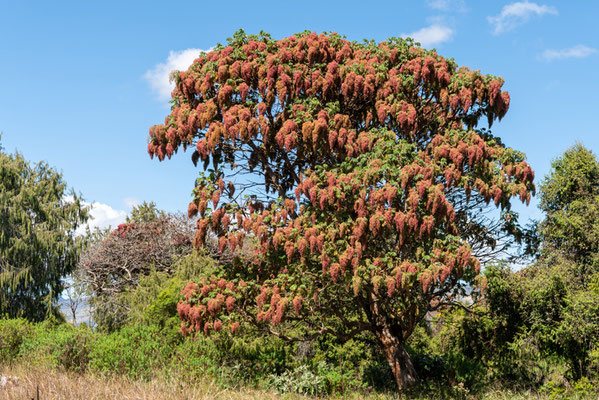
(38, 247)
(570, 199)
(360, 171)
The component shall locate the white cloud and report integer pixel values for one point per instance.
(578, 51)
(431, 35)
(102, 216)
(515, 14)
(159, 76)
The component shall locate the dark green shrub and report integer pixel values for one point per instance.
(430, 367)
(194, 359)
(352, 365)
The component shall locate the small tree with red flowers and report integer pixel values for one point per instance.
(358, 169)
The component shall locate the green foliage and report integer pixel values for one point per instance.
(349, 365)
(572, 175)
(58, 345)
(156, 295)
(259, 360)
(325, 367)
(231, 361)
(570, 199)
(537, 326)
(144, 212)
(38, 247)
(445, 350)
(12, 334)
(134, 351)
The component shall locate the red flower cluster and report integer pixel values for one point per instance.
(203, 304)
(123, 229)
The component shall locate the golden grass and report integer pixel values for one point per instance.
(57, 385)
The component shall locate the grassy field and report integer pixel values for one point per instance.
(56, 385)
(61, 385)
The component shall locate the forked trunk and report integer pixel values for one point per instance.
(398, 358)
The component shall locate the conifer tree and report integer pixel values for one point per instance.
(38, 247)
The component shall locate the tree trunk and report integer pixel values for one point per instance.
(391, 337)
(398, 359)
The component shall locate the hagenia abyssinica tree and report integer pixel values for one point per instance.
(357, 168)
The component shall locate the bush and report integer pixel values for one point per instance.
(136, 352)
(153, 301)
(12, 334)
(58, 345)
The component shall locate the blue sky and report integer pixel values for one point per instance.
(81, 82)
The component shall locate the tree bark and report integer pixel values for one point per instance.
(398, 358)
(391, 337)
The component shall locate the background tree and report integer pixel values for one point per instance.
(570, 200)
(145, 212)
(115, 260)
(38, 248)
(569, 255)
(542, 321)
(358, 169)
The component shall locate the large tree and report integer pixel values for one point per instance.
(38, 247)
(359, 170)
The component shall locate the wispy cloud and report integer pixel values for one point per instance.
(516, 14)
(159, 76)
(435, 33)
(578, 51)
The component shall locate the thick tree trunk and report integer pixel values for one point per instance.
(391, 337)
(398, 359)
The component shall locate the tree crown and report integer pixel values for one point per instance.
(363, 174)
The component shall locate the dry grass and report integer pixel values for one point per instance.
(60, 385)
(55, 385)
